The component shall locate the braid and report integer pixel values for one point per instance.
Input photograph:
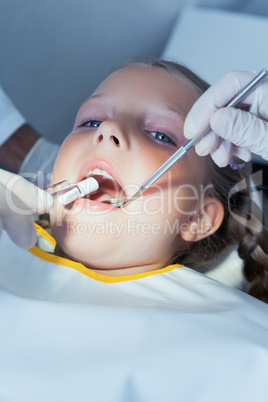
(252, 238)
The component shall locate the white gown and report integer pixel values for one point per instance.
(68, 334)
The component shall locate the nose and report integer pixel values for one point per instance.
(111, 133)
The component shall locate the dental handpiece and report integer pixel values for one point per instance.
(68, 194)
(187, 146)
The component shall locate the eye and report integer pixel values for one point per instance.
(91, 123)
(161, 137)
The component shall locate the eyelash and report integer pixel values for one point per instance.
(97, 123)
(92, 122)
(158, 133)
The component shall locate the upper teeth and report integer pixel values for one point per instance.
(100, 172)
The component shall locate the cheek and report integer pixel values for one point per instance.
(147, 158)
(179, 190)
(68, 155)
(169, 201)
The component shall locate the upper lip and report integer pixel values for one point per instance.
(102, 164)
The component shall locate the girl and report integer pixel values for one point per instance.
(104, 129)
(107, 306)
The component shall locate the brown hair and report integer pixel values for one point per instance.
(240, 223)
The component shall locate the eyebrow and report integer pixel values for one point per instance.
(179, 111)
(91, 97)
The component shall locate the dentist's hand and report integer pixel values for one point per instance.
(19, 199)
(234, 131)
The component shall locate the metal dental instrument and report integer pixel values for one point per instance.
(185, 148)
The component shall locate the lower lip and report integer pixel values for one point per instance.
(92, 205)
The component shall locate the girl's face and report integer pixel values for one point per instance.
(131, 124)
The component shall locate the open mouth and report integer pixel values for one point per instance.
(108, 186)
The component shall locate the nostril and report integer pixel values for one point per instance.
(99, 139)
(116, 141)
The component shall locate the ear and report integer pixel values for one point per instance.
(204, 222)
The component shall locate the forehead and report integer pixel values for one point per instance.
(150, 84)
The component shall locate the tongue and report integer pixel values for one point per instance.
(98, 196)
(107, 189)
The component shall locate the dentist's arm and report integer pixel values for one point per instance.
(22, 149)
(14, 150)
(234, 131)
(16, 137)
(19, 200)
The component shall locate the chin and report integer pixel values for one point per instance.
(90, 250)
